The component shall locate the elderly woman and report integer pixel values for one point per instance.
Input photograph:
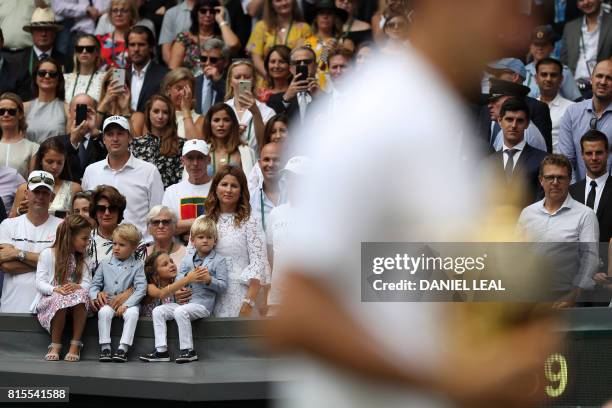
(241, 238)
(208, 20)
(107, 211)
(15, 150)
(178, 86)
(161, 144)
(282, 24)
(87, 77)
(123, 15)
(46, 113)
(161, 222)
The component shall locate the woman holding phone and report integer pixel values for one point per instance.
(208, 20)
(115, 96)
(86, 78)
(252, 115)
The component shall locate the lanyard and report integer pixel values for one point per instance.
(286, 36)
(583, 47)
(76, 81)
(261, 201)
(31, 63)
(214, 163)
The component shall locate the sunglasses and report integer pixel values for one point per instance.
(47, 74)
(120, 11)
(593, 123)
(304, 62)
(159, 223)
(553, 178)
(207, 10)
(90, 49)
(205, 59)
(10, 111)
(103, 208)
(41, 179)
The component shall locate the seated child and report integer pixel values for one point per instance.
(214, 270)
(113, 276)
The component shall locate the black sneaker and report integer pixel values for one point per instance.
(187, 356)
(155, 356)
(105, 356)
(120, 356)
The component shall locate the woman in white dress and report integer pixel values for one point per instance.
(241, 238)
(87, 77)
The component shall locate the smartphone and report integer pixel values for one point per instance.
(119, 76)
(244, 86)
(303, 70)
(81, 113)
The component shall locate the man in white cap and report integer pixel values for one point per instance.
(186, 198)
(280, 222)
(138, 180)
(44, 29)
(21, 241)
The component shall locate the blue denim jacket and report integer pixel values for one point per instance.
(114, 276)
(218, 267)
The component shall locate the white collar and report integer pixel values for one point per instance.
(38, 51)
(520, 147)
(143, 71)
(601, 180)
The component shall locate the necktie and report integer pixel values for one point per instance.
(510, 163)
(43, 55)
(494, 132)
(207, 97)
(590, 202)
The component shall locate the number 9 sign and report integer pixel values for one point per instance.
(555, 370)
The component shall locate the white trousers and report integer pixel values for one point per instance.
(183, 314)
(105, 319)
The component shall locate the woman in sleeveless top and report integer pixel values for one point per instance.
(86, 78)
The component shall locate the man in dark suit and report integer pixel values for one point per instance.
(513, 70)
(84, 142)
(44, 29)
(210, 86)
(302, 92)
(517, 163)
(13, 78)
(595, 191)
(145, 75)
(582, 50)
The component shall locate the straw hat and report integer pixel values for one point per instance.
(43, 18)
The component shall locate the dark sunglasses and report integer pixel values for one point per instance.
(207, 10)
(10, 111)
(205, 59)
(103, 208)
(82, 48)
(304, 62)
(593, 123)
(41, 179)
(159, 223)
(50, 74)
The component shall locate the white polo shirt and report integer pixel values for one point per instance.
(139, 181)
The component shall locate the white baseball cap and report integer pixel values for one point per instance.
(299, 165)
(39, 178)
(196, 145)
(118, 120)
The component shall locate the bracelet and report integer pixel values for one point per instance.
(249, 302)
(101, 113)
(223, 23)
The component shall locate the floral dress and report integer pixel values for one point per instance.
(147, 148)
(246, 247)
(114, 53)
(49, 305)
(146, 309)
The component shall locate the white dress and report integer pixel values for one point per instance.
(245, 245)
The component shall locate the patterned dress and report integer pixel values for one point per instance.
(49, 305)
(146, 309)
(147, 148)
(114, 53)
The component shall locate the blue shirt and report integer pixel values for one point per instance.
(114, 276)
(218, 268)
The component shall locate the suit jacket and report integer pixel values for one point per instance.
(96, 151)
(150, 86)
(604, 209)
(571, 41)
(55, 54)
(527, 167)
(13, 78)
(539, 114)
(292, 110)
(218, 87)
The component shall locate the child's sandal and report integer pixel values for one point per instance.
(53, 352)
(72, 357)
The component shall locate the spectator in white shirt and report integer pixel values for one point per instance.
(549, 77)
(139, 181)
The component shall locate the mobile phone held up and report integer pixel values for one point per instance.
(119, 76)
(81, 113)
(244, 86)
(302, 69)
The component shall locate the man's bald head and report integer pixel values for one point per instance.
(83, 99)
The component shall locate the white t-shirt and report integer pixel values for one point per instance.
(278, 235)
(19, 291)
(186, 200)
(404, 175)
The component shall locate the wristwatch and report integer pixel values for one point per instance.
(21, 256)
(249, 302)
